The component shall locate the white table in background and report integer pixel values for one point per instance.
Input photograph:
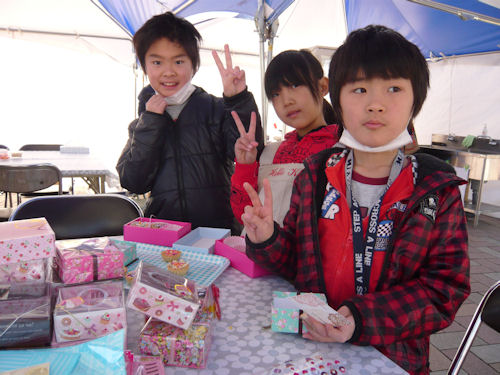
(85, 166)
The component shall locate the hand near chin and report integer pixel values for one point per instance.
(156, 104)
(327, 332)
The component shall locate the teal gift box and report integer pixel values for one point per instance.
(284, 318)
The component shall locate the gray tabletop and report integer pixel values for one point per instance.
(243, 343)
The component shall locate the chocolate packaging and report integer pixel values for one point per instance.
(89, 311)
(164, 296)
(85, 260)
(24, 240)
(25, 315)
(178, 347)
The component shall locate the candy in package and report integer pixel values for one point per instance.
(315, 364)
(89, 311)
(177, 346)
(164, 296)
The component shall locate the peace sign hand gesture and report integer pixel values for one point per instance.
(245, 147)
(233, 79)
(258, 218)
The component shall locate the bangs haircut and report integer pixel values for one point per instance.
(173, 28)
(378, 52)
(293, 68)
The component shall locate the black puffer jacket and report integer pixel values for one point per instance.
(187, 164)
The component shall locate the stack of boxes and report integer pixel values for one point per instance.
(84, 298)
(26, 252)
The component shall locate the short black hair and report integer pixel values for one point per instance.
(378, 51)
(175, 29)
(297, 67)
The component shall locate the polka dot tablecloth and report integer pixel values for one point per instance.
(243, 343)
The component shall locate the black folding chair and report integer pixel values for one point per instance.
(27, 179)
(488, 312)
(81, 216)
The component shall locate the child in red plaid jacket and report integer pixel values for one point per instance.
(382, 234)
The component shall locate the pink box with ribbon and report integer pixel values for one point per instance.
(84, 260)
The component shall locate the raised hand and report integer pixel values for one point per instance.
(156, 104)
(245, 147)
(233, 79)
(258, 218)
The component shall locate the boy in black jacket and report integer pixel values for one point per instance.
(181, 148)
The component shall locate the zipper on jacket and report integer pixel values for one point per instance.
(180, 179)
(317, 252)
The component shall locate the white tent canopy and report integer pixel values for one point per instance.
(62, 82)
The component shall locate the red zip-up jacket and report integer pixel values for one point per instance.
(292, 150)
(425, 273)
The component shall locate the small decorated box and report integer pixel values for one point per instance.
(89, 311)
(25, 315)
(84, 260)
(178, 347)
(284, 318)
(23, 240)
(233, 248)
(128, 248)
(164, 296)
(155, 231)
(201, 239)
(32, 271)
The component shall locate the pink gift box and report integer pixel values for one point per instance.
(23, 240)
(84, 260)
(155, 231)
(164, 295)
(233, 248)
(89, 311)
(178, 347)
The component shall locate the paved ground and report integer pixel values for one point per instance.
(484, 355)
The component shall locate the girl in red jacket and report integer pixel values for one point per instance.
(381, 234)
(295, 85)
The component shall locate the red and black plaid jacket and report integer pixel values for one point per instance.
(425, 276)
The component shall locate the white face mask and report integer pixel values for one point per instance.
(401, 140)
(182, 95)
